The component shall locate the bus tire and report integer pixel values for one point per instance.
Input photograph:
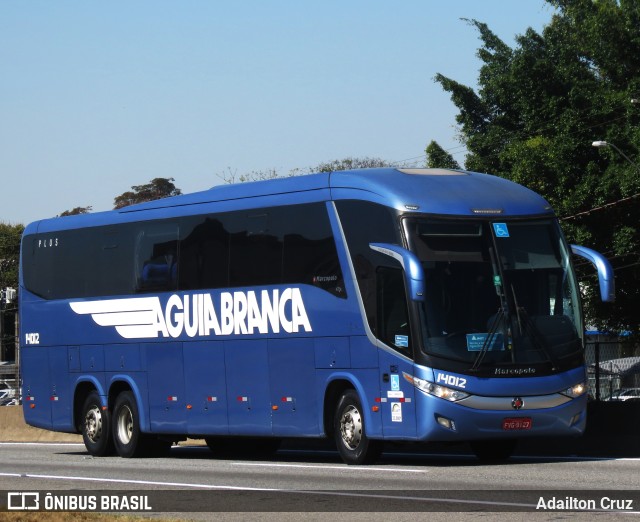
(127, 437)
(349, 432)
(96, 427)
(494, 450)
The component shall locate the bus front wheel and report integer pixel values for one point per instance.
(96, 427)
(349, 432)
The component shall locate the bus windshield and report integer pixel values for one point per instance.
(496, 294)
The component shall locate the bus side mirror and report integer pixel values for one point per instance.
(605, 271)
(413, 273)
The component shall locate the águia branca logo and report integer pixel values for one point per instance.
(239, 313)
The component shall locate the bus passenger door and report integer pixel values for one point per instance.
(397, 400)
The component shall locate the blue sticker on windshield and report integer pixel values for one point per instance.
(401, 341)
(501, 229)
(476, 341)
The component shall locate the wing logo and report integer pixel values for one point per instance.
(135, 318)
(240, 313)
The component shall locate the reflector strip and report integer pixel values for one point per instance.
(287, 399)
(172, 398)
(54, 397)
(243, 399)
(212, 399)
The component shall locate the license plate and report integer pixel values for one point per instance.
(517, 423)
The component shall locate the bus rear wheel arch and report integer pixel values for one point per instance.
(349, 431)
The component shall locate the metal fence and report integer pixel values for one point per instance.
(613, 368)
(9, 385)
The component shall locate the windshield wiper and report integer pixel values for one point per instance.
(532, 331)
(497, 321)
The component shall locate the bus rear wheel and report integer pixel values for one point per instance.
(127, 437)
(96, 427)
(349, 432)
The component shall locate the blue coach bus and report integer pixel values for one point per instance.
(365, 306)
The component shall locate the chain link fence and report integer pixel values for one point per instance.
(9, 385)
(613, 368)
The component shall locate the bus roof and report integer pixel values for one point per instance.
(431, 191)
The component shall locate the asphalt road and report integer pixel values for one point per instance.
(316, 481)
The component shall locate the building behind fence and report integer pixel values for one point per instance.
(613, 365)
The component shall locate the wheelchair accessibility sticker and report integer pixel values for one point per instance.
(501, 229)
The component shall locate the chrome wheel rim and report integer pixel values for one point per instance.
(351, 427)
(125, 425)
(93, 424)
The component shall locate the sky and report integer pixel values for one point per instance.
(96, 97)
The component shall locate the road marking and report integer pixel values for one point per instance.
(464, 501)
(403, 454)
(339, 468)
(131, 481)
(293, 491)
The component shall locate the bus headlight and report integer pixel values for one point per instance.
(575, 391)
(442, 392)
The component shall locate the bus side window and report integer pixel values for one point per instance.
(393, 314)
(157, 259)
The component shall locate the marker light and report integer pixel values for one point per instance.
(442, 392)
(446, 423)
(575, 391)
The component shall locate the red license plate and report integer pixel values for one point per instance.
(517, 423)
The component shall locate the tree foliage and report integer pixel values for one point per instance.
(158, 188)
(349, 163)
(438, 158)
(76, 211)
(10, 236)
(538, 108)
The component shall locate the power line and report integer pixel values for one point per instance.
(608, 205)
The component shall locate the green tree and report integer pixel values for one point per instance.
(438, 158)
(349, 164)
(231, 176)
(537, 110)
(76, 211)
(158, 188)
(10, 236)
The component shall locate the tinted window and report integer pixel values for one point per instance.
(204, 253)
(292, 244)
(156, 257)
(364, 223)
(79, 263)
